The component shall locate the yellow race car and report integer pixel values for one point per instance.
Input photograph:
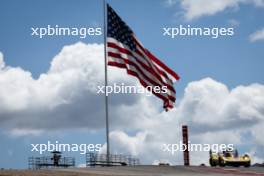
(229, 158)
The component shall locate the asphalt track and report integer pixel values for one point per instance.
(138, 171)
(168, 171)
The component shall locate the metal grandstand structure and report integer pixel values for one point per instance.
(95, 159)
(51, 161)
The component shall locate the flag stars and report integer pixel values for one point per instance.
(119, 30)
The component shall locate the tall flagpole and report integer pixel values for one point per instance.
(106, 83)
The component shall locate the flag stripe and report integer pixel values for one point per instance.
(140, 55)
(125, 51)
(133, 73)
(161, 74)
(115, 44)
(143, 52)
(127, 54)
(158, 62)
(132, 66)
(170, 95)
(167, 77)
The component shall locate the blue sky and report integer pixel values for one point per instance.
(232, 60)
(224, 59)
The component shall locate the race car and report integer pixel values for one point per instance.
(229, 158)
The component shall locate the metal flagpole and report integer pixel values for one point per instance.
(106, 83)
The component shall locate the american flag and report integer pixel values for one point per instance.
(125, 51)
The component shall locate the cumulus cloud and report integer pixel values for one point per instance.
(259, 3)
(2, 64)
(210, 103)
(17, 132)
(194, 9)
(233, 22)
(31, 104)
(214, 114)
(65, 97)
(198, 8)
(256, 36)
(170, 3)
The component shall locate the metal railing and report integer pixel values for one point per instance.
(48, 162)
(95, 159)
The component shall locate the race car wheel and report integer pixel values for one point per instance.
(221, 163)
(247, 164)
(212, 163)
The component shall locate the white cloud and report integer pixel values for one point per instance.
(259, 3)
(256, 36)
(170, 3)
(198, 8)
(2, 64)
(65, 98)
(214, 114)
(257, 133)
(210, 103)
(24, 132)
(233, 22)
(194, 9)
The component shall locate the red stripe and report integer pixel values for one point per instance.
(149, 69)
(115, 55)
(112, 63)
(157, 61)
(130, 72)
(158, 70)
(146, 52)
(142, 55)
(126, 51)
